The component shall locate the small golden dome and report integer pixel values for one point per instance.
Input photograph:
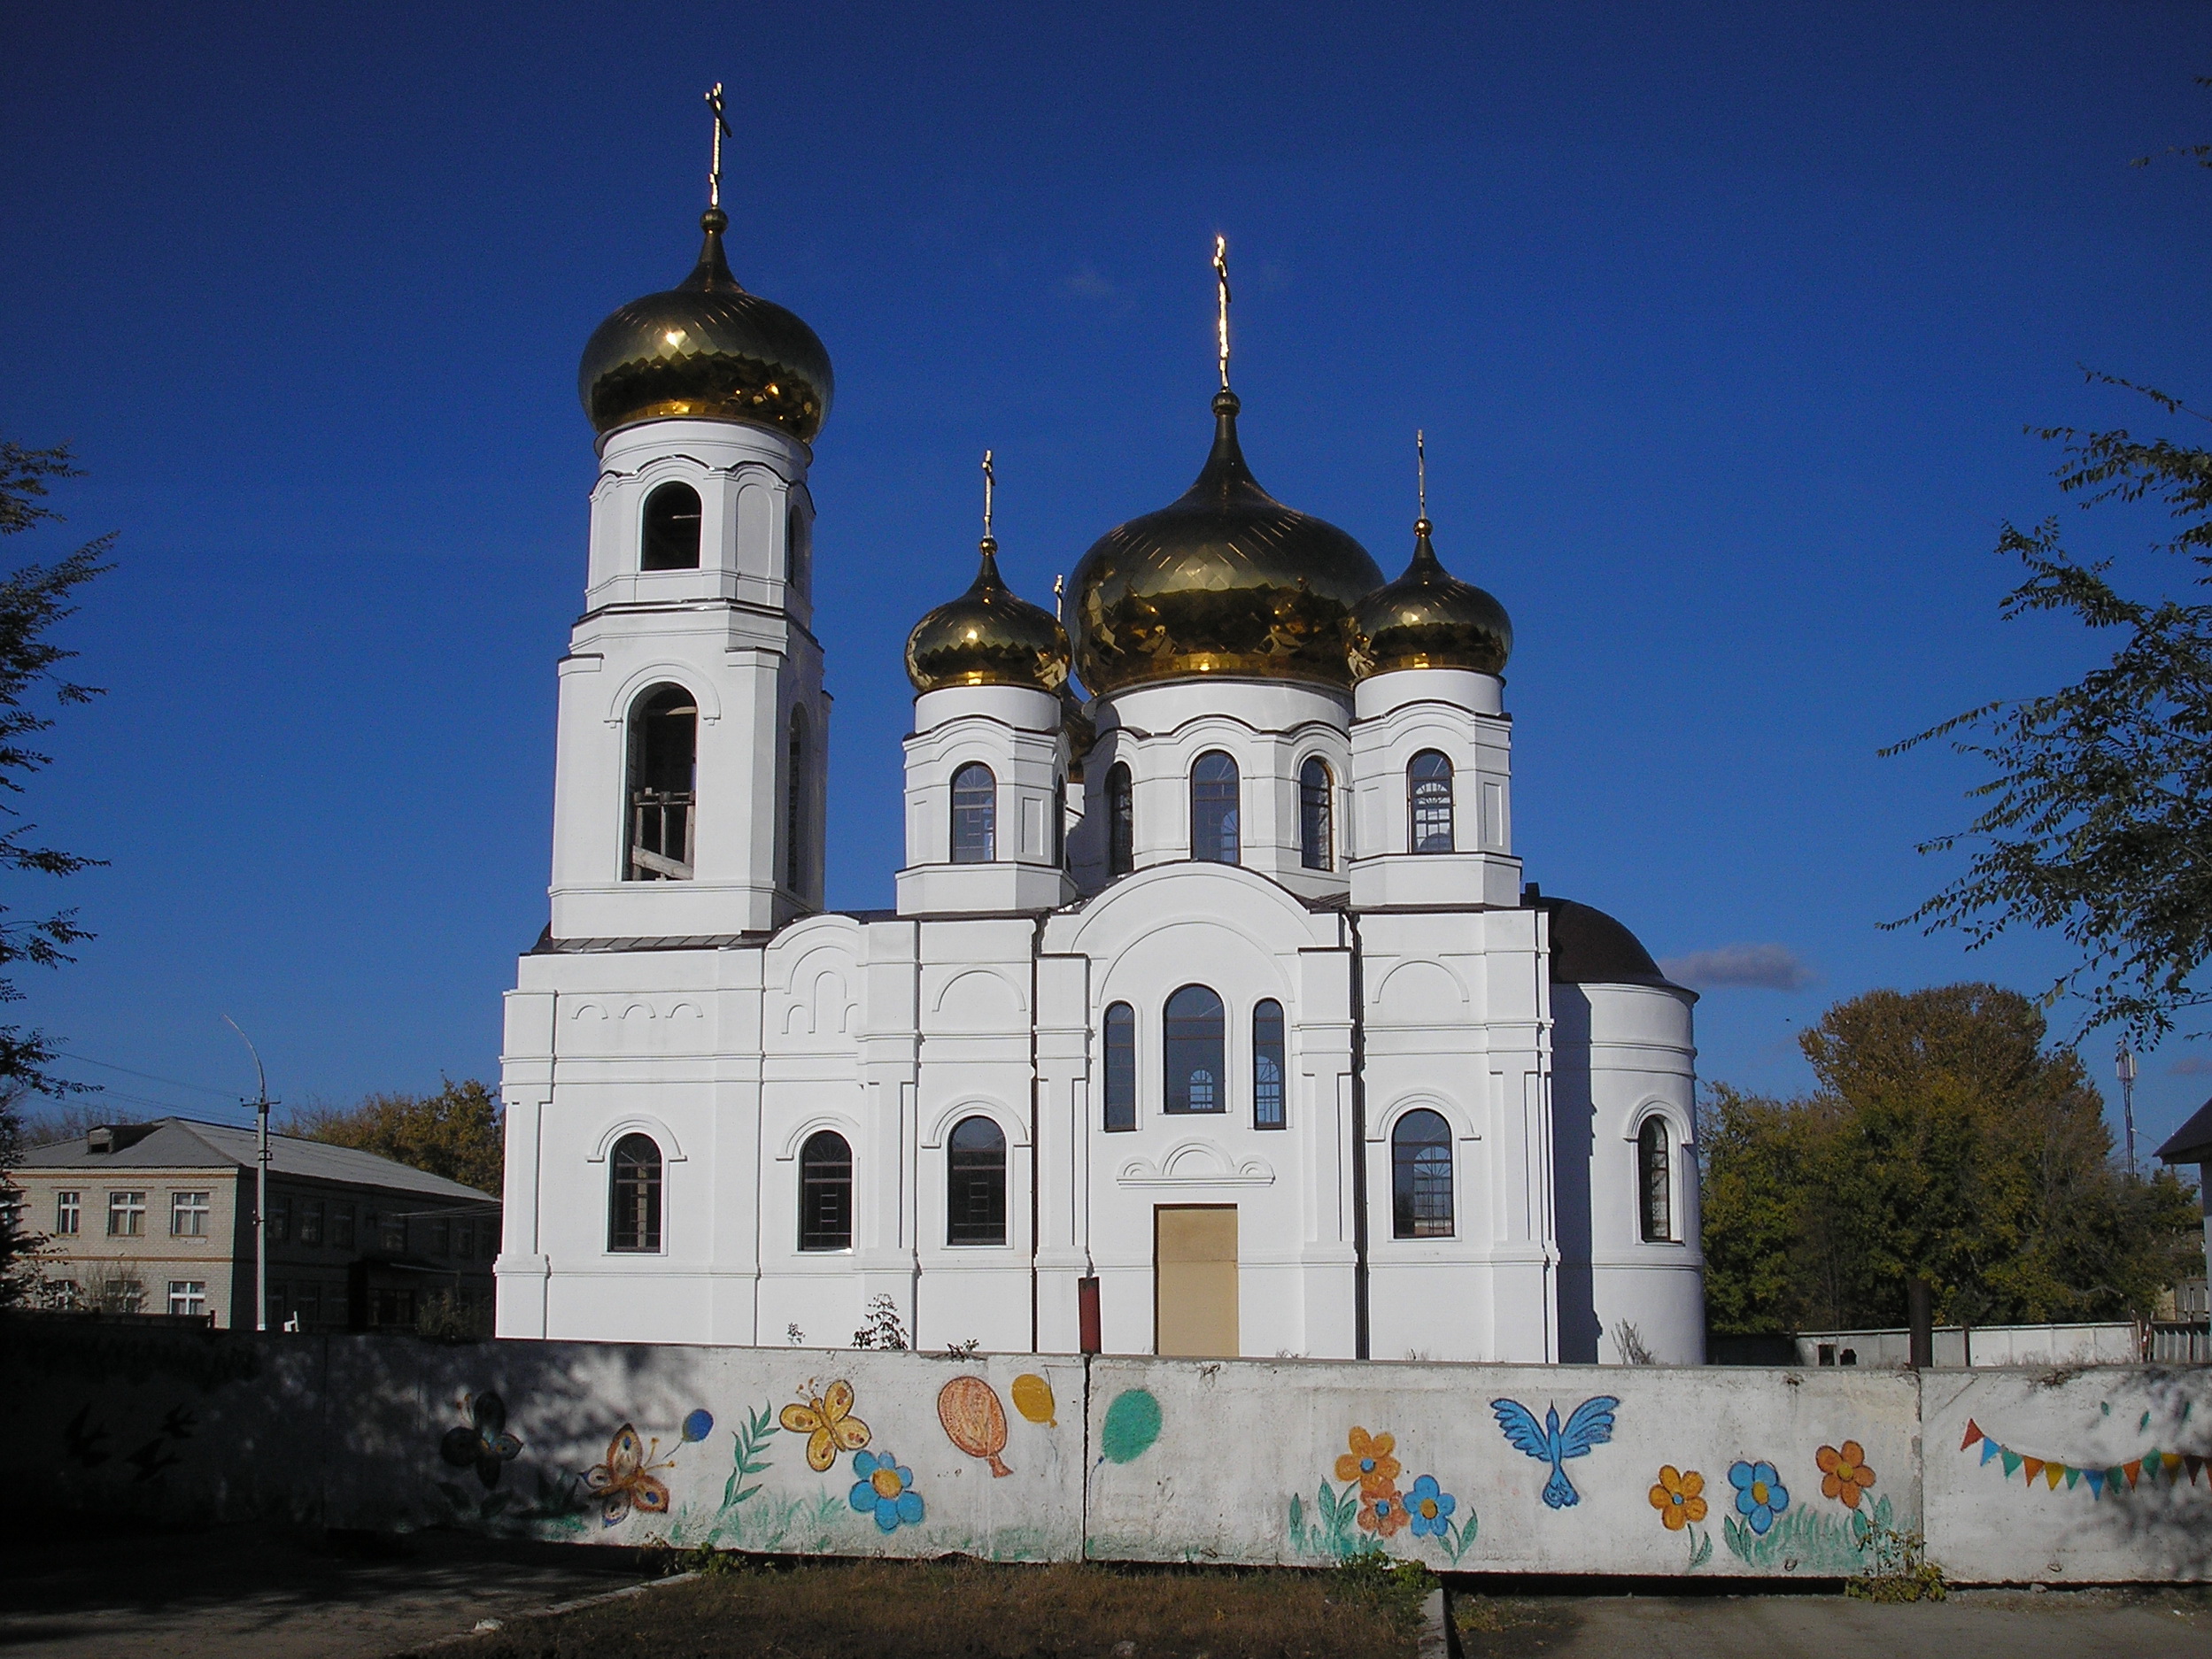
(1227, 580)
(988, 637)
(706, 348)
(1428, 619)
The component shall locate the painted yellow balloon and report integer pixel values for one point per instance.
(1033, 1398)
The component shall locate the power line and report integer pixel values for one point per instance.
(175, 1082)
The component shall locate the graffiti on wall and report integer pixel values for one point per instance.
(1771, 1529)
(2173, 1467)
(1372, 1509)
(968, 1408)
(1589, 1424)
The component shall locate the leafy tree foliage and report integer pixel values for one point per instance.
(1945, 1140)
(458, 1132)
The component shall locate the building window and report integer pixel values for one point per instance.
(395, 1234)
(188, 1297)
(1195, 1030)
(307, 1306)
(12, 1204)
(125, 1214)
(1428, 802)
(1119, 1093)
(975, 814)
(671, 529)
(1121, 821)
(798, 786)
(65, 1295)
(798, 548)
(1267, 1065)
(188, 1215)
(1213, 803)
(465, 1240)
(1059, 823)
(975, 1196)
(280, 1218)
(1654, 1190)
(68, 1212)
(633, 1197)
(663, 759)
(826, 1193)
(342, 1226)
(1420, 1177)
(311, 1220)
(441, 1236)
(1317, 846)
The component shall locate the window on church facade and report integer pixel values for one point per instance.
(975, 814)
(1267, 1065)
(1654, 1184)
(797, 785)
(826, 1193)
(1214, 834)
(1060, 822)
(663, 763)
(1121, 821)
(1428, 802)
(1316, 839)
(975, 1197)
(1195, 1038)
(633, 1194)
(1420, 1177)
(1118, 1091)
(798, 550)
(670, 537)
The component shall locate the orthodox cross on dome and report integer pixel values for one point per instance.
(1221, 281)
(722, 131)
(1421, 470)
(990, 479)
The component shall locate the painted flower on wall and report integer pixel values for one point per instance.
(886, 1489)
(625, 1480)
(483, 1443)
(1383, 1513)
(827, 1422)
(1430, 1507)
(1680, 1498)
(1760, 1494)
(1843, 1472)
(1370, 1463)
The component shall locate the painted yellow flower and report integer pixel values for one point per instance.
(1843, 1472)
(827, 1422)
(1679, 1497)
(1370, 1463)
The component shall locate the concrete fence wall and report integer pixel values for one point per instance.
(2086, 1476)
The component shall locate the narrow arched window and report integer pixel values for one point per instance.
(1193, 1042)
(664, 758)
(798, 548)
(1118, 1090)
(1059, 822)
(1654, 1184)
(798, 795)
(975, 814)
(1428, 802)
(671, 531)
(633, 1194)
(1213, 814)
(975, 1192)
(1420, 1177)
(826, 1193)
(1121, 821)
(1317, 849)
(1267, 1065)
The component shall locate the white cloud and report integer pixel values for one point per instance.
(1088, 284)
(1758, 966)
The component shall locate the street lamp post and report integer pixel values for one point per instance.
(2123, 1065)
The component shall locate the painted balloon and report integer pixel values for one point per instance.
(1132, 1423)
(974, 1421)
(1033, 1398)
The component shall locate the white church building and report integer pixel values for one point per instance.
(1214, 1016)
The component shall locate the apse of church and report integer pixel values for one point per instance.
(1215, 1015)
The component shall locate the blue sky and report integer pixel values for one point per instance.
(1724, 322)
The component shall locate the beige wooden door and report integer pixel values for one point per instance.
(1194, 1280)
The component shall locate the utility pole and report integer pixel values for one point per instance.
(261, 1189)
(2123, 1064)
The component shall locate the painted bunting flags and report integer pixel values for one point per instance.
(2173, 1466)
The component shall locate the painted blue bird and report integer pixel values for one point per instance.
(1591, 1425)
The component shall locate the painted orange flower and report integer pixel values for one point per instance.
(1679, 1497)
(1384, 1512)
(1370, 1463)
(1843, 1472)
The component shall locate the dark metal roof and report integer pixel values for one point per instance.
(2192, 1143)
(1589, 947)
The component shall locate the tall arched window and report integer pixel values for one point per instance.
(1317, 849)
(1267, 1065)
(1428, 803)
(1060, 823)
(663, 755)
(798, 548)
(1654, 1185)
(1420, 1177)
(975, 814)
(1197, 1072)
(671, 531)
(1121, 821)
(975, 1190)
(797, 787)
(826, 1193)
(633, 1194)
(1118, 1092)
(1213, 814)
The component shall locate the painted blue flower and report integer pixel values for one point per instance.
(886, 1488)
(1431, 1507)
(699, 1425)
(1760, 1494)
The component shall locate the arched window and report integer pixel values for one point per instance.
(670, 537)
(663, 753)
(798, 548)
(975, 1190)
(1213, 815)
(1317, 849)
(1655, 1196)
(1118, 1091)
(1121, 821)
(975, 814)
(826, 1193)
(1428, 802)
(1420, 1177)
(1060, 823)
(1267, 1065)
(1196, 1071)
(633, 1194)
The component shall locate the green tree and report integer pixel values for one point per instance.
(458, 1132)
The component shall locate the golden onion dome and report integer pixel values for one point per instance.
(1225, 580)
(1428, 619)
(707, 348)
(988, 637)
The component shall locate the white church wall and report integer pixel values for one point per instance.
(1403, 715)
